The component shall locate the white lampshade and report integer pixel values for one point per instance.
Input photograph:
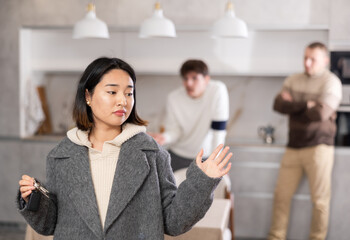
(229, 25)
(157, 25)
(90, 26)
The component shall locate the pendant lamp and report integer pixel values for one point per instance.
(90, 26)
(157, 25)
(229, 26)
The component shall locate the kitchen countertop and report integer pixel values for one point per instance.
(277, 146)
(235, 142)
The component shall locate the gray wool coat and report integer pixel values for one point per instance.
(144, 203)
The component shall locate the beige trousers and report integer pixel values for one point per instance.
(317, 163)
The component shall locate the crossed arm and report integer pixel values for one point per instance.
(314, 111)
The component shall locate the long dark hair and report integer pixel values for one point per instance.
(82, 114)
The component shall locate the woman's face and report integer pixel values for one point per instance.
(112, 100)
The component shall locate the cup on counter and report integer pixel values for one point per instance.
(266, 133)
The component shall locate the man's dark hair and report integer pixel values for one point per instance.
(194, 65)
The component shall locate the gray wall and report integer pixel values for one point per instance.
(19, 157)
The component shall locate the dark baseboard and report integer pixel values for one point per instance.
(13, 226)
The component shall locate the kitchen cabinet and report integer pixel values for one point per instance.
(253, 175)
(18, 157)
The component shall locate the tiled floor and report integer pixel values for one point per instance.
(16, 232)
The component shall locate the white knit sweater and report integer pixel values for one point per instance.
(103, 164)
(188, 120)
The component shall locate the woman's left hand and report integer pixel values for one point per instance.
(216, 165)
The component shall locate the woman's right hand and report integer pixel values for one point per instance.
(26, 185)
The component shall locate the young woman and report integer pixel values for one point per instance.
(108, 179)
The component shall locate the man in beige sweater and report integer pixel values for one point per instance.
(310, 99)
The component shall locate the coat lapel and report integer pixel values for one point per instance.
(132, 170)
(77, 176)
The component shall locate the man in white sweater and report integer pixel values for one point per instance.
(196, 115)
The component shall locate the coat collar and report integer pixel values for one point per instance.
(131, 172)
(66, 147)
